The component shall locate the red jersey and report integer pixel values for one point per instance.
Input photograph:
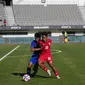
(45, 46)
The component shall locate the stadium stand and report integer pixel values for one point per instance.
(82, 9)
(33, 15)
(2, 15)
(9, 15)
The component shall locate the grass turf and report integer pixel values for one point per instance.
(70, 64)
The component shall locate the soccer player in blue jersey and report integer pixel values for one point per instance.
(35, 48)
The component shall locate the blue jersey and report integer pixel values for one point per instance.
(34, 44)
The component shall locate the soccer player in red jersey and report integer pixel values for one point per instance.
(45, 55)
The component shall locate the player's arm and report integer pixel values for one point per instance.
(50, 41)
(32, 47)
(41, 44)
(35, 49)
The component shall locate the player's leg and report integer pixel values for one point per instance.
(49, 61)
(31, 62)
(35, 69)
(29, 68)
(41, 64)
(54, 70)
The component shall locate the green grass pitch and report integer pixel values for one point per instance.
(70, 64)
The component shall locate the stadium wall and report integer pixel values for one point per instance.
(27, 40)
(23, 40)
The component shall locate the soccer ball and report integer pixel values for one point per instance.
(26, 77)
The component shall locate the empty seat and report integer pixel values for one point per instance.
(2, 15)
(35, 15)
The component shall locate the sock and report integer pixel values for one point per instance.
(28, 70)
(45, 69)
(56, 74)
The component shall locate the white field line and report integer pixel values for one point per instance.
(22, 49)
(56, 51)
(18, 56)
(53, 51)
(9, 53)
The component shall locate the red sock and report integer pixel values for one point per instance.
(56, 74)
(45, 69)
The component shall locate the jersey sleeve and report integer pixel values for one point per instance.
(41, 43)
(50, 40)
(32, 45)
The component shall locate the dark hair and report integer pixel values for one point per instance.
(38, 35)
(45, 33)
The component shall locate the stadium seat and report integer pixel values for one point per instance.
(2, 15)
(82, 9)
(33, 15)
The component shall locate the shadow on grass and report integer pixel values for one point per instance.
(31, 75)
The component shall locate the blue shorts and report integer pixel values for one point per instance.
(34, 60)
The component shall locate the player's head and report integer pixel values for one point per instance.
(44, 36)
(37, 36)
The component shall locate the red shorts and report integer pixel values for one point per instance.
(45, 57)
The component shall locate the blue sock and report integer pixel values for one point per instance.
(28, 71)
